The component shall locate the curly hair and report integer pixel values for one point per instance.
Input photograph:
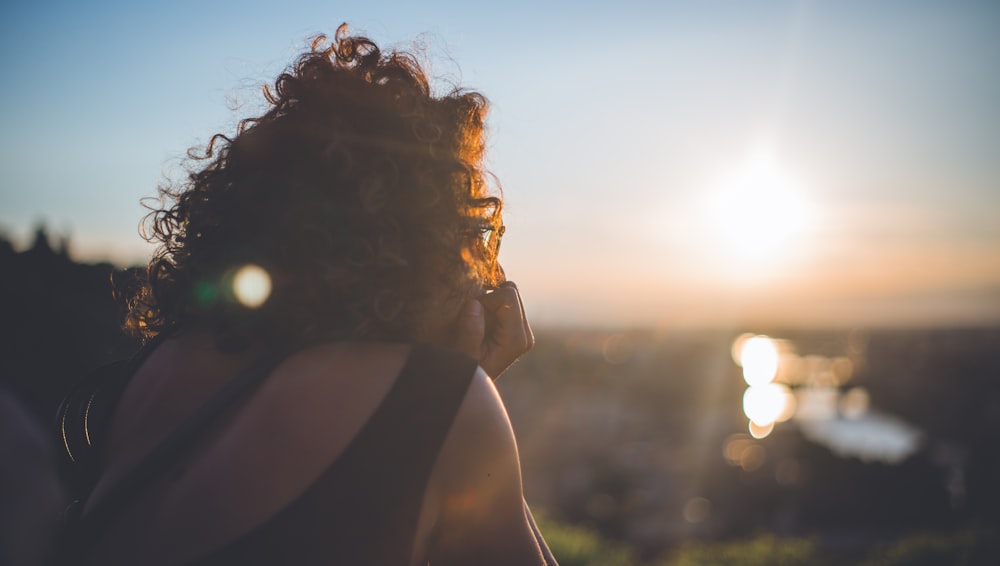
(358, 191)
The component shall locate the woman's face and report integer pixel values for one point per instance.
(438, 325)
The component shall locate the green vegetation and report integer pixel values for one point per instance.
(973, 547)
(579, 546)
(764, 550)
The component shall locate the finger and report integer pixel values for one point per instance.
(504, 310)
(524, 316)
(470, 329)
(506, 339)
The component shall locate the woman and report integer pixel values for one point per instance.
(358, 210)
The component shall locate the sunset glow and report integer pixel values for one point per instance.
(746, 309)
(764, 172)
(759, 211)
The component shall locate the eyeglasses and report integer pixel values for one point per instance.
(484, 241)
(491, 237)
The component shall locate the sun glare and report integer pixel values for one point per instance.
(759, 211)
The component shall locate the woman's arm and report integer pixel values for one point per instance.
(482, 518)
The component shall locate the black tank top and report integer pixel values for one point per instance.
(363, 509)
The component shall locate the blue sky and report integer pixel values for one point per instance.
(613, 126)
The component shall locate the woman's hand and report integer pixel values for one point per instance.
(494, 329)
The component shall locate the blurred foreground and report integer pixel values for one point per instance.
(635, 444)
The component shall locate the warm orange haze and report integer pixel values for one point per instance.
(756, 247)
(758, 244)
(792, 164)
(762, 246)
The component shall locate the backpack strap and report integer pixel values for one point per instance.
(158, 460)
(85, 413)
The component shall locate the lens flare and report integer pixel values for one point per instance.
(205, 293)
(252, 286)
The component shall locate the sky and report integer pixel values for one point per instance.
(743, 163)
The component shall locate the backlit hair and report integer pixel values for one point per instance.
(359, 192)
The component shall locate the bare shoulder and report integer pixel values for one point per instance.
(480, 447)
(476, 484)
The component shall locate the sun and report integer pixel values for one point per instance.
(760, 210)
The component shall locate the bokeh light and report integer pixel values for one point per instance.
(759, 358)
(816, 403)
(759, 431)
(790, 367)
(765, 404)
(818, 370)
(854, 404)
(743, 451)
(697, 509)
(617, 349)
(252, 286)
(753, 457)
(734, 446)
(843, 369)
(737, 349)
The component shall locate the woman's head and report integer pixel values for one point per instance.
(360, 193)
